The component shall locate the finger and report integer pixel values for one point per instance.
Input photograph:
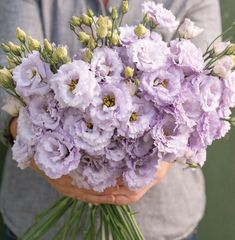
(127, 192)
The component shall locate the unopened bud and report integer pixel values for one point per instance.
(125, 6)
(34, 44)
(232, 121)
(76, 21)
(103, 21)
(11, 62)
(14, 48)
(115, 39)
(146, 18)
(102, 32)
(60, 55)
(83, 37)
(231, 49)
(90, 13)
(114, 13)
(137, 82)
(140, 30)
(5, 48)
(92, 44)
(20, 35)
(88, 56)
(47, 46)
(128, 72)
(5, 77)
(86, 19)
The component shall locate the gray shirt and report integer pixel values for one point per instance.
(171, 209)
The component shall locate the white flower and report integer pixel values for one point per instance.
(223, 66)
(219, 47)
(12, 106)
(188, 30)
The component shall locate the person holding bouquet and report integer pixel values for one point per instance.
(170, 207)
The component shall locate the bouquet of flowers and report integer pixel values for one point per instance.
(123, 104)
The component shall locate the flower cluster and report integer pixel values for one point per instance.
(126, 102)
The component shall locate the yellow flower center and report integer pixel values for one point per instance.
(133, 117)
(164, 84)
(34, 73)
(73, 85)
(109, 101)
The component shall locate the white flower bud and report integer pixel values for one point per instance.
(12, 106)
(20, 35)
(219, 47)
(223, 66)
(34, 44)
(188, 30)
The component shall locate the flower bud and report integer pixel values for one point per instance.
(88, 56)
(91, 43)
(114, 13)
(140, 30)
(137, 82)
(20, 35)
(5, 48)
(115, 39)
(5, 77)
(47, 46)
(34, 44)
(83, 37)
(231, 49)
(14, 48)
(128, 72)
(146, 18)
(90, 13)
(125, 6)
(60, 55)
(188, 30)
(11, 62)
(104, 22)
(102, 32)
(76, 21)
(223, 66)
(232, 121)
(219, 47)
(86, 19)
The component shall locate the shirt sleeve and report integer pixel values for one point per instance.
(26, 15)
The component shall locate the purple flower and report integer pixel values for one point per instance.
(223, 66)
(139, 120)
(75, 85)
(140, 171)
(148, 55)
(32, 75)
(162, 86)
(194, 157)
(56, 155)
(112, 107)
(187, 56)
(107, 65)
(22, 153)
(170, 140)
(95, 173)
(86, 134)
(45, 112)
(159, 15)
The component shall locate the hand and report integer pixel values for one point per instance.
(13, 127)
(118, 195)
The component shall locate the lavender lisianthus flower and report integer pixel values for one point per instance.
(112, 107)
(223, 66)
(187, 56)
(170, 140)
(140, 171)
(148, 55)
(22, 153)
(162, 86)
(75, 85)
(228, 97)
(95, 173)
(32, 75)
(45, 112)
(86, 134)
(159, 15)
(56, 155)
(107, 65)
(139, 120)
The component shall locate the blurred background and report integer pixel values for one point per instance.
(219, 220)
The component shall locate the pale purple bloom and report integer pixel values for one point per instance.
(171, 140)
(223, 66)
(95, 173)
(86, 134)
(75, 85)
(56, 155)
(112, 107)
(162, 86)
(187, 56)
(160, 15)
(45, 112)
(127, 35)
(107, 65)
(22, 153)
(139, 120)
(219, 47)
(148, 55)
(32, 76)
